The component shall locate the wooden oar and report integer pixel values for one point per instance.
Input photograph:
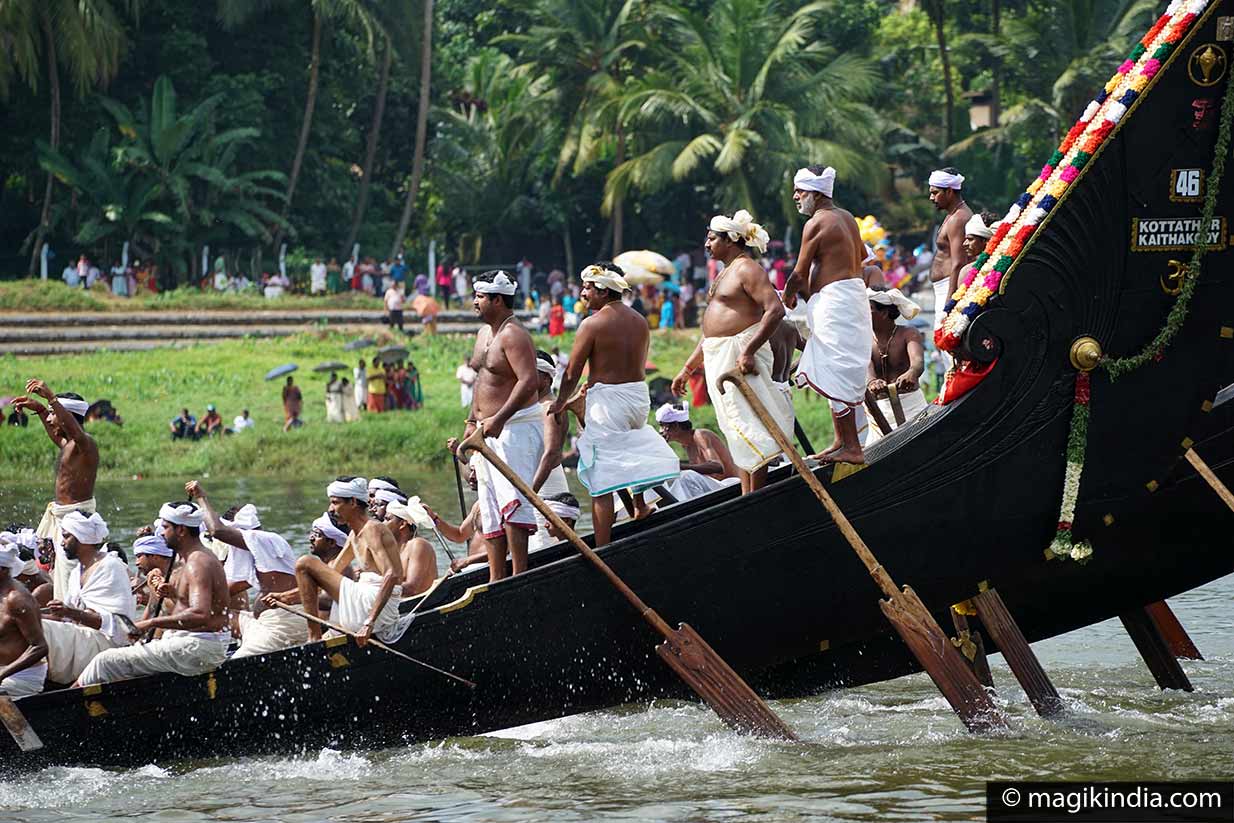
(374, 641)
(683, 650)
(458, 484)
(918, 628)
(158, 607)
(876, 414)
(1210, 478)
(17, 725)
(897, 409)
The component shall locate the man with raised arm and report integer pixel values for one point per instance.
(76, 467)
(195, 634)
(264, 557)
(949, 259)
(743, 312)
(367, 606)
(504, 404)
(617, 449)
(828, 277)
(23, 649)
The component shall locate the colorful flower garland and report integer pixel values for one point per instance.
(1100, 119)
(1064, 544)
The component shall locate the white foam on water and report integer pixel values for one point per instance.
(329, 764)
(58, 787)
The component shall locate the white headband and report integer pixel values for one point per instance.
(78, 407)
(246, 518)
(741, 226)
(895, 297)
(563, 510)
(548, 368)
(412, 512)
(500, 284)
(806, 180)
(605, 278)
(976, 227)
(151, 544)
(182, 514)
(946, 180)
(356, 488)
(326, 526)
(89, 530)
(387, 496)
(377, 483)
(24, 538)
(668, 413)
(11, 560)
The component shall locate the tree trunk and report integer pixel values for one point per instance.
(569, 247)
(417, 160)
(370, 153)
(306, 125)
(619, 205)
(940, 21)
(53, 81)
(996, 102)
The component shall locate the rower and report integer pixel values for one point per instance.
(23, 648)
(897, 358)
(270, 563)
(98, 607)
(195, 634)
(326, 540)
(565, 506)
(708, 465)
(379, 499)
(419, 561)
(550, 477)
(618, 451)
(949, 257)
(30, 576)
(378, 483)
(977, 232)
(153, 559)
(367, 606)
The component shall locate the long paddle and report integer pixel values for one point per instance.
(458, 484)
(897, 408)
(17, 725)
(158, 607)
(684, 651)
(911, 619)
(376, 643)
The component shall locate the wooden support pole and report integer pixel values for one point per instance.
(1172, 630)
(1210, 477)
(972, 646)
(1018, 654)
(1155, 650)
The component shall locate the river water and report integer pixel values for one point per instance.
(890, 751)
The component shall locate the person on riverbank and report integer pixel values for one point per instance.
(376, 388)
(76, 467)
(505, 407)
(466, 377)
(360, 384)
(211, 423)
(183, 426)
(334, 399)
(23, 648)
(617, 449)
(242, 422)
(419, 561)
(394, 306)
(292, 401)
(195, 634)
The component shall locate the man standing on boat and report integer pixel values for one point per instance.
(897, 359)
(949, 259)
(743, 312)
(195, 634)
(617, 449)
(828, 276)
(76, 468)
(268, 558)
(23, 649)
(505, 405)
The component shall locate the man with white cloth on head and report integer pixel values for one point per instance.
(743, 312)
(708, 465)
(271, 566)
(550, 477)
(368, 605)
(99, 606)
(504, 404)
(897, 359)
(195, 634)
(617, 450)
(23, 649)
(949, 258)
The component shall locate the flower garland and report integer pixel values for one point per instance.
(981, 281)
(1064, 544)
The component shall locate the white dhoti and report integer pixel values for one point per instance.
(26, 682)
(942, 293)
(913, 403)
(273, 630)
(177, 652)
(355, 602)
(71, 647)
(554, 484)
(334, 407)
(520, 446)
(837, 352)
(351, 410)
(692, 484)
(752, 446)
(49, 528)
(617, 449)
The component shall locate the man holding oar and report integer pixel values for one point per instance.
(897, 361)
(23, 649)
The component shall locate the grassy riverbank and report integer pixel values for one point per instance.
(149, 388)
(52, 295)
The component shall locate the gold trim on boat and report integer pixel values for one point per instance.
(335, 640)
(463, 601)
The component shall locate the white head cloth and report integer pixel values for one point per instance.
(356, 488)
(741, 226)
(412, 512)
(246, 518)
(563, 510)
(387, 496)
(668, 413)
(9, 559)
(151, 544)
(377, 483)
(946, 180)
(78, 407)
(89, 530)
(23, 538)
(326, 526)
(895, 297)
(500, 284)
(546, 367)
(824, 183)
(605, 278)
(181, 514)
(976, 227)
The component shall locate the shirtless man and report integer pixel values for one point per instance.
(705, 451)
(504, 405)
(977, 232)
(550, 477)
(76, 468)
(326, 541)
(617, 449)
(828, 276)
(419, 561)
(23, 649)
(367, 606)
(267, 555)
(743, 313)
(897, 358)
(949, 259)
(195, 634)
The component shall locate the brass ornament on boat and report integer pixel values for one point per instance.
(1172, 280)
(1207, 64)
(1085, 353)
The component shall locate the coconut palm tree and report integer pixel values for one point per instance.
(425, 100)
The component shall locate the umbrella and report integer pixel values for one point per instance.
(646, 260)
(390, 354)
(642, 277)
(362, 343)
(333, 365)
(279, 371)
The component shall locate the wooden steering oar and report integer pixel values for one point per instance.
(897, 408)
(17, 725)
(683, 650)
(158, 607)
(374, 641)
(911, 619)
(876, 413)
(458, 484)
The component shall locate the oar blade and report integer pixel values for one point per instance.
(18, 726)
(704, 671)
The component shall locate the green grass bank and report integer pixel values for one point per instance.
(35, 295)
